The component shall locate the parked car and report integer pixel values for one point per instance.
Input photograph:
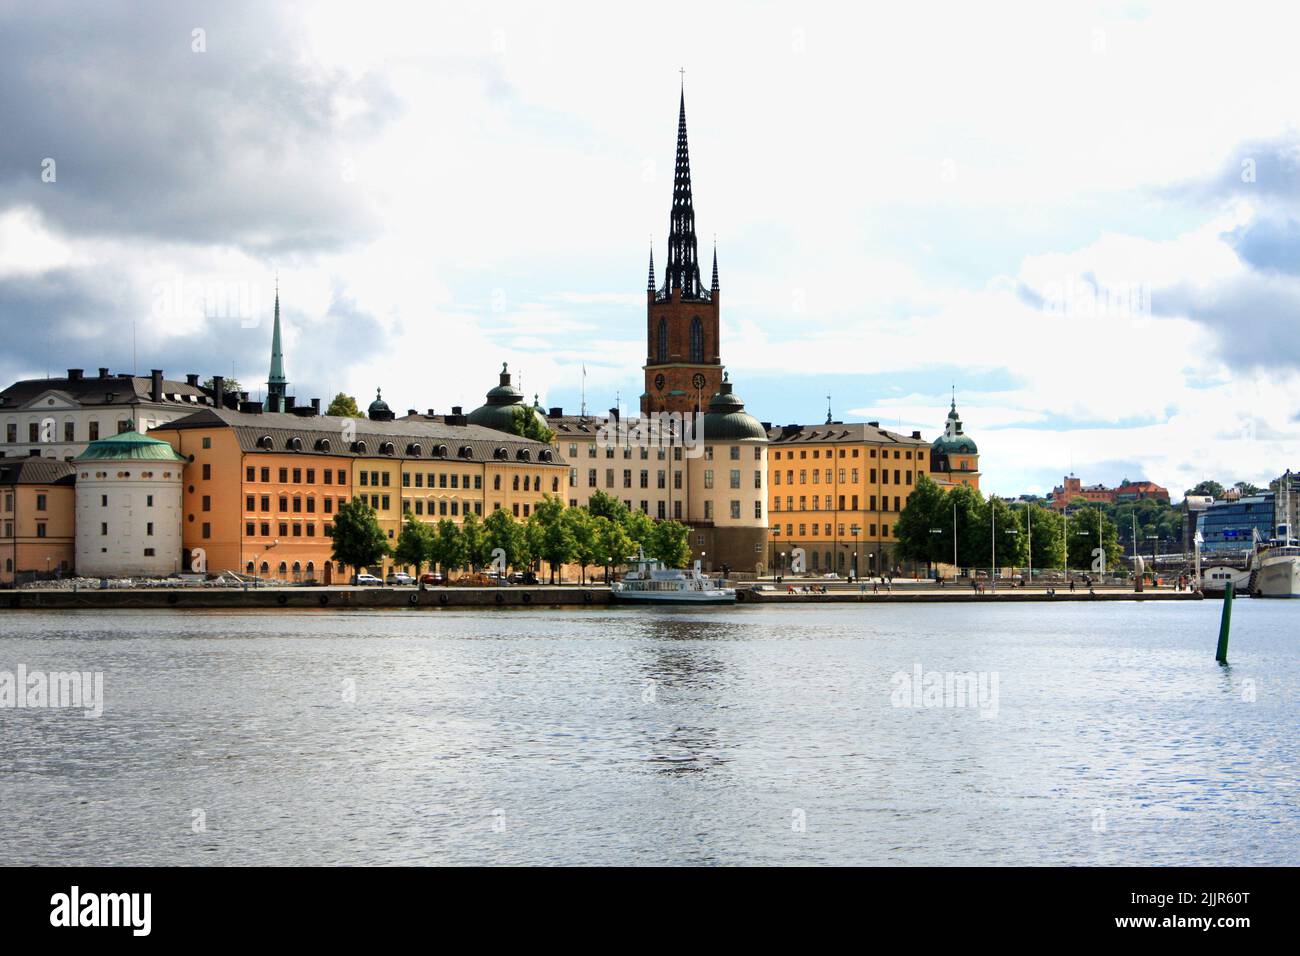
(523, 577)
(430, 578)
(831, 576)
(365, 579)
(400, 577)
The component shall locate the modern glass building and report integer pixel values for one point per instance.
(1230, 525)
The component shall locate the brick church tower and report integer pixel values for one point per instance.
(683, 366)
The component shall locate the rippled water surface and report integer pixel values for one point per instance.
(734, 736)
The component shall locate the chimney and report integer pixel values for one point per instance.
(155, 384)
(557, 412)
(916, 434)
(411, 413)
(429, 413)
(788, 430)
(289, 401)
(455, 419)
(192, 379)
(455, 410)
(75, 374)
(219, 390)
(315, 406)
(251, 408)
(103, 372)
(874, 424)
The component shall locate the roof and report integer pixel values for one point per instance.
(129, 446)
(123, 389)
(727, 420)
(841, 432)
(252, 430)
(36, 471)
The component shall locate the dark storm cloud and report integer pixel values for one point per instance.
(70, 318)
(244, 144)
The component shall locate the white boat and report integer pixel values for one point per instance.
(1275, 565)
(649, 582)
(1215, 577)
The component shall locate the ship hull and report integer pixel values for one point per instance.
(674, 597)
(1279, 578)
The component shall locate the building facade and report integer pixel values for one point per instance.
(59, 417)
(836, 492)
(128, 507)
(37, 518)
(954, 457)
(262, 487)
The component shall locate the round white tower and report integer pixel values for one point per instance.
(128, 507)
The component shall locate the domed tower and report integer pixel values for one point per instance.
(379, 410)
(129, 507)
(954, 458)
(502, 401)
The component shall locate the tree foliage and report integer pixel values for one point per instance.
(344, 406)
(525, 423)
(414, 543)
(358, 540)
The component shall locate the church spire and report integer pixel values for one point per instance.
(715, 266)
(683, 270)
(650, 285)
(276, 383)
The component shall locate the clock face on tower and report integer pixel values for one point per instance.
(659, 381)
(698, 380)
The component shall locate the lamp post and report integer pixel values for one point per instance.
(938, 531)
(1155, 553)
(856, 531)
(776, 534)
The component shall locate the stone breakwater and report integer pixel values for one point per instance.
(300, 598)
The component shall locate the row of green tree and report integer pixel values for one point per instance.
(602, 534)
(935, 519)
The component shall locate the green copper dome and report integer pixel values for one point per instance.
(727, 420)
(499, 411)
(952, 441)
(129, 446)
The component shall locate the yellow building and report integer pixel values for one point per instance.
(37, 517)
(261, 487)
(836, 492)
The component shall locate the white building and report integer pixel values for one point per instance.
(128, 518)
(59, 417)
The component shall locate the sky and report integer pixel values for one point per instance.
(1085, 220)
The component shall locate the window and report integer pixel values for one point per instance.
(708, 477)
(708, 510)
(94, 431)
(284, 476)
(207, 502)
(33, 431)
(735, 478)
(735, 510)
(207, 441)
(207, 530)
(40, 502)
(645, 478)
(627, 477)
(207, 472)
(697, 340)
(11, 433)
(40, 529)
(661, 351)
(69, 431)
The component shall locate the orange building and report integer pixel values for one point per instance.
(37, 523)
(836, 492)
(262, 487)
(954, 458)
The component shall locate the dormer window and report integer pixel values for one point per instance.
(414, 449)
(466, 451)
(359, 447)
(264, 442)
(386, 448)
(440, 451)
(545, 455)
(322, 444)
(294, 444)
(501, 454)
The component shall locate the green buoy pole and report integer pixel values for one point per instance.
(1225, 624)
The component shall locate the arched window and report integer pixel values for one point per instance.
(697, 340)
(661, 350)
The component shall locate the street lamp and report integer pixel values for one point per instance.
(776, 534)
(856, 531)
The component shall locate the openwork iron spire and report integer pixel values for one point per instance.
(683, 270)
(650, 285)
(715, 265)
(276, 383)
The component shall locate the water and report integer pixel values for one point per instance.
(733, 736)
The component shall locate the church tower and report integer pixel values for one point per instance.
(276, 384)
(683, 366)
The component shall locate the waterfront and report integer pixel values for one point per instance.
(610, 735)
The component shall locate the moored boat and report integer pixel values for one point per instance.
(650, 582)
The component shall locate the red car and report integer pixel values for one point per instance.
(430, 578)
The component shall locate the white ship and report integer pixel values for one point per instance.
(1275, 565)
(651, 583)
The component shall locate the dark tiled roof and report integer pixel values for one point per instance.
(839, 432)
(281, 428)
(93, 390)
(36, 471)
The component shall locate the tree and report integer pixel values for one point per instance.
(612, 543)
(926, 509)
(447, 547)
(474, 540)
(230, 386)
(414, 544)
(670, 542)
(998, 524)
(501, 530)
(639, 526)
(1042, 529)
(525, 423)
(602, 505)
(583, 528)
(1247, 489)
(1211, 488)
(963, 509)
(1081, 534)
(358, 541)
(344, 406)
